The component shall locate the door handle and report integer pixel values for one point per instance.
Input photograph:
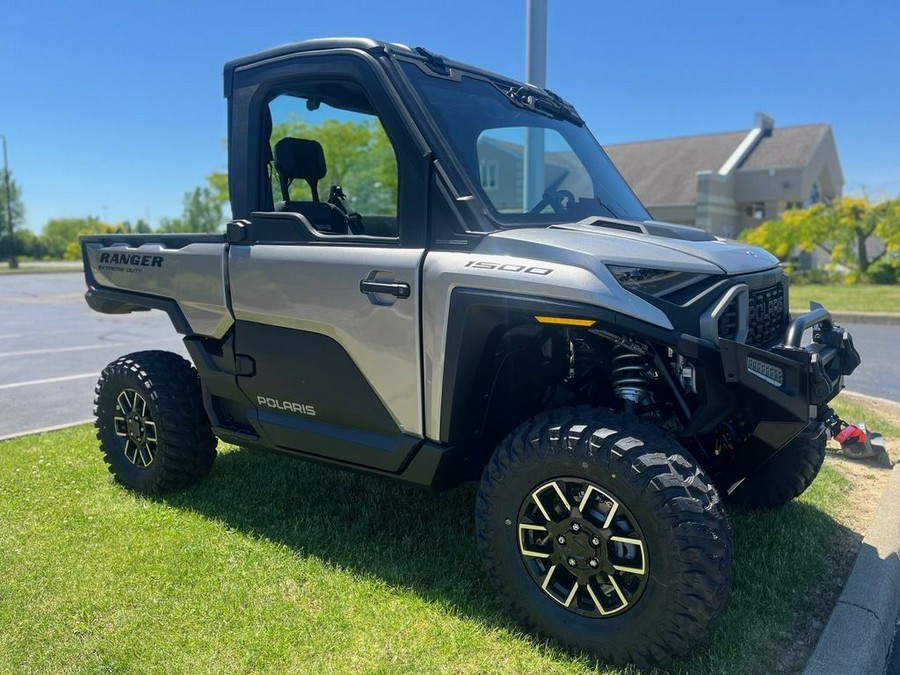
(398, 290)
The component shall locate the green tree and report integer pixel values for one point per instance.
(18, 212)
(359, 158)
(218, 183)
(28, 245)
(73, 228)
(168, 225)
(58, 234)
(842, 229)
(59, 238)
(202, 213)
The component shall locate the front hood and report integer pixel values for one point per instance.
(653, 245)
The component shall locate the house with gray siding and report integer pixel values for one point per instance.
(727, 182)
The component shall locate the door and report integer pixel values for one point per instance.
(334, 336)
(325, 285)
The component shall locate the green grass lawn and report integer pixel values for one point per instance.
(857, 298)
(275, 565)
(857, 409)
(29, 267)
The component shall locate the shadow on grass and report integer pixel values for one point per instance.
(405, 536)
(790, 563)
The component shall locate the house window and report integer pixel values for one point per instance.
(755, 210)
(489, 171)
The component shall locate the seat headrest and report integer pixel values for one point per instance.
(300, 158)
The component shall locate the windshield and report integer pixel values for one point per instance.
(526, 152)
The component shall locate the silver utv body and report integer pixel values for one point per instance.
(399, 344)
(372, 348)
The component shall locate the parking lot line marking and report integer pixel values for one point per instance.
(55, 350)
(82, 348)
(101, 330)
(10, 336)
(64, 378)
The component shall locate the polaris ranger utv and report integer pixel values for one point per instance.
(477, 292)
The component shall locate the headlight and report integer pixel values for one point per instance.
(652, 281)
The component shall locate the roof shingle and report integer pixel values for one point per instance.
(788, 146)
(664, 172)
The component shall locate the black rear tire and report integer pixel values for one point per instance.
(680, 576)
(784, 477)
(153, 430)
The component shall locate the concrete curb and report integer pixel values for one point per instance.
(874, 318)
(857, 638)
(873, 399)
(43, 430)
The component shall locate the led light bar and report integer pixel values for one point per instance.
(774, 375)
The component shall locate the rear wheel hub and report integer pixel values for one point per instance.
(135, 428)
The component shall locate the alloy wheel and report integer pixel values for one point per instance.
(582, 547)
(136, 428)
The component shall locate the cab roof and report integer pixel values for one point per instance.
(318, 44)
(359, 43)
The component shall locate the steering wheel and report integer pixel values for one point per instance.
(558, 200)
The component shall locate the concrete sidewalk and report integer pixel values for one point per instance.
(857, 638)
(874, 318)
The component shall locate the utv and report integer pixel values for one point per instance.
(477, 292)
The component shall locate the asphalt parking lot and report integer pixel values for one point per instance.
(53, 347)
(879, 374)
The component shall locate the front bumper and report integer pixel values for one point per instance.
(797, 380)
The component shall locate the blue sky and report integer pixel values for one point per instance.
(115, 108)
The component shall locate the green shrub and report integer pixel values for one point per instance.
(885, 271)
(817, 276)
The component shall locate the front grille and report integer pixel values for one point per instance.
(767, 315)
(728, 322)
(766, 319)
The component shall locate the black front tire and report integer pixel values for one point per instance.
(784, 477)
(153, 431)
(664, 497)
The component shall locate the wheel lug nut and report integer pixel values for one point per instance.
(593, 562)
(561, 539)
(571, 562)
(575, 527)
(595, 541)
